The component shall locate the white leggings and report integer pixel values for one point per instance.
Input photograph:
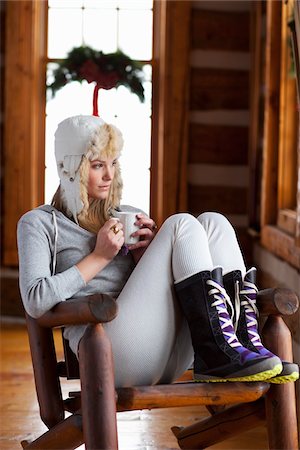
(150, 337)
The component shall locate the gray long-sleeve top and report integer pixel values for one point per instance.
(40, 289)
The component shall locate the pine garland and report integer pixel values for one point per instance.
(106, 70)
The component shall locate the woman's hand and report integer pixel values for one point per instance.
(146, 232)
(110, 239)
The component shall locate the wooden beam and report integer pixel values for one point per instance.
(255, 126)
(188, 394)
(170, 108)
(271, 114)
(228, 423)
(281, 412)
(296, 48)
(289, 119)
(24, 115)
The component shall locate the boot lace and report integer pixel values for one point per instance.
(251, 312)
(237, 305)
(222, 299)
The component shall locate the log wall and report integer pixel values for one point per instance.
(219, 112)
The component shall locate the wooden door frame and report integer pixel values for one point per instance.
(171, 43)
(24, 116)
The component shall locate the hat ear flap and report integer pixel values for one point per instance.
(70, 195)
(71, 164)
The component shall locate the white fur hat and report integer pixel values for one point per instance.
(74, 137)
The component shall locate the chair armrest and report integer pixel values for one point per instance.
(94, 308)
(277, 301)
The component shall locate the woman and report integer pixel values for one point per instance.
(168, 288)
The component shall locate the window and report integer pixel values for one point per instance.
(25, 68)
(280, 190)
(288, 130)
(104, 25)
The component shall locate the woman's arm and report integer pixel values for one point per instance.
(40, 290)
(107, 246)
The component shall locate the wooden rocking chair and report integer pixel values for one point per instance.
(93, 418)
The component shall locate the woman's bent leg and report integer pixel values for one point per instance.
(150, 337)
(223, 244)
(239, 284)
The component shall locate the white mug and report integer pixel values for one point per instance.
(128, 219)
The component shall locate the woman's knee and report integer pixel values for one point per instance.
(180, 218)
(215, 220)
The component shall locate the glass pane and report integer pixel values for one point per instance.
(65, 3)
(135, 34)
(74, 99)
(135, 160)
(111, 4)
(135, 4)
(147, 69)
(100, 29)
(128, 103)
(64, 31)
(51, 176)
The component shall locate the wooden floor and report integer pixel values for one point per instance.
(138, 430)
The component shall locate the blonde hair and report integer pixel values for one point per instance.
(106, 142)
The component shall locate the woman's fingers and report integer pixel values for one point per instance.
(145, 222)
(145, 233)
(115, 231)
(110, 239)
(113, 225)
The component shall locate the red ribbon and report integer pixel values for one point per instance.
(95, 100)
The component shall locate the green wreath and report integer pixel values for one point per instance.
(106, 70)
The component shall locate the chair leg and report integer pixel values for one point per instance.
(65, 435)
(98, 397)
(280, 399)
(221, 426)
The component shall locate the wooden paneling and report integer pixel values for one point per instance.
(220, 30)
(213, 144)
(218, 175)
(219, 85)
(222, 199)
(219, 89)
